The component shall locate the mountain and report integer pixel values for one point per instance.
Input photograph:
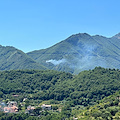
(80, 52)
(76, 53)
(117, 36)
(12, 58)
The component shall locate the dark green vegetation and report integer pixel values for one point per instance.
(107, 109)
(80, 52)
(76, 53)
(83, 89)
(73, 91)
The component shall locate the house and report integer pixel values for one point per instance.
(29, 109)
(12, 103)
(11, 108)
(46, 107)
(6, 109)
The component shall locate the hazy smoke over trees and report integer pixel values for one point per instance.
(87, 59)
(56, 62)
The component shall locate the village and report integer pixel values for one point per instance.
(12, 107)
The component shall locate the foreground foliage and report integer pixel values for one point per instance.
(72, 91)
(83, 89)
(107, 109)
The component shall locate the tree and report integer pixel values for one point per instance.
(37, 111)
(66, 111)
(26, 103)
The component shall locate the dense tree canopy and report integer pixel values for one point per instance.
(85, 88)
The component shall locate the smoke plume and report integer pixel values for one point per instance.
(56, 62)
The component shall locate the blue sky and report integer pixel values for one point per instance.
(37, 24)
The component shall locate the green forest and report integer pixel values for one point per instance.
(74, 93)
(107, 109)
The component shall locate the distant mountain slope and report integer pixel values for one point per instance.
(80, 52)
(12, 58)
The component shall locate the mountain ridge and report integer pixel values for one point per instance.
(76, 53)
(12, 58)
(79, 49)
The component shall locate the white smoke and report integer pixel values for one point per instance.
(56, 62)
(88, 58)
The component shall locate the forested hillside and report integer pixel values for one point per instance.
(76, 95)
(83, 89)
(107, 109)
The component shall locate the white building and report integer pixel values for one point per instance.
(46, 107)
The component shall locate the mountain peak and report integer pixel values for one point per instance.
(81, 34)
(117, 36)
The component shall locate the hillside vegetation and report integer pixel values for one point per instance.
(76, 95)
(107, 109)
(83, 89)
